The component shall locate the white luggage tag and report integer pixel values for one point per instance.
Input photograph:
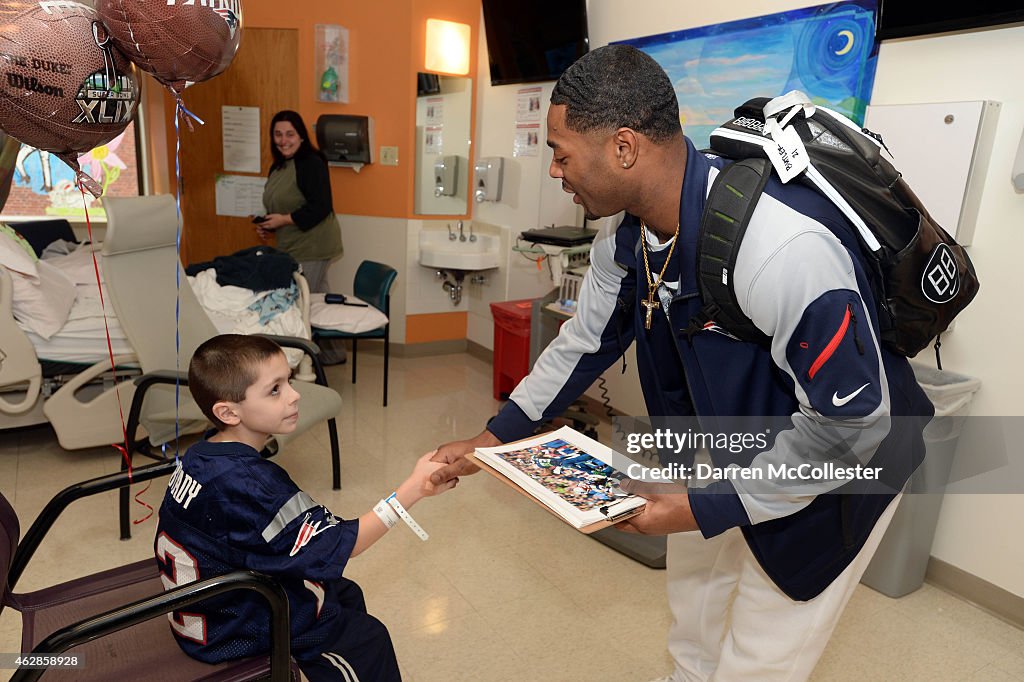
(787, 155)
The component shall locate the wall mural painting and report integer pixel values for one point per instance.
(45, 186)
(828, 52)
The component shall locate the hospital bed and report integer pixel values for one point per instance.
(66, 379)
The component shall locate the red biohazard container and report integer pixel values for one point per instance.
(511, 345)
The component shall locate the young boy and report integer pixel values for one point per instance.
(227, 508)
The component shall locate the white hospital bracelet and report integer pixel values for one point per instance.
(386, 515)
(397, 506)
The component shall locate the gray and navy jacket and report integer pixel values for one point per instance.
(845, 399)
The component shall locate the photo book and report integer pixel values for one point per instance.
(569, 474)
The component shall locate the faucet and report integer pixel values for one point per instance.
(462, 237)
(451, 235)
(472, 237)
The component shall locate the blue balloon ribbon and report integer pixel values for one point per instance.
(180, 113)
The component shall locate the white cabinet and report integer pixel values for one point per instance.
(943, 151)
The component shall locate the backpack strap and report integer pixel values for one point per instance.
(727, 214)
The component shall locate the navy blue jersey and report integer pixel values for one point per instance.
(227, 508)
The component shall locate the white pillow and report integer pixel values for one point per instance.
(42, 303)
(344, 318)
(14, 257)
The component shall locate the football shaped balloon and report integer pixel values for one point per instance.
(64, 88)
(180, 42)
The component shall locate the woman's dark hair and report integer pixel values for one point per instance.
(306, 147)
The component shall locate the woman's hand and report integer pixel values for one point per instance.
(274, 222)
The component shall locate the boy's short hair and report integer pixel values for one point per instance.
(224, 367)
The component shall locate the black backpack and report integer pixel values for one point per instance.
(921, 278)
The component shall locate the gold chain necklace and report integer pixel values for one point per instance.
(650, 305)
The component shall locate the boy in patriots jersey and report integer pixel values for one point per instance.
(227, 508)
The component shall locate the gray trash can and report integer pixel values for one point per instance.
(899, 565)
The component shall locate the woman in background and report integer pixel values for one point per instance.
(300, 208)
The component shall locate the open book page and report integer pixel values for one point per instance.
(568, 473)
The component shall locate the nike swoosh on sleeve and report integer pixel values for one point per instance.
(839, 402)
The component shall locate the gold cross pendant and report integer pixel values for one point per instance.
(650, 305)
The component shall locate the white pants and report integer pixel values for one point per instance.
(733, 624)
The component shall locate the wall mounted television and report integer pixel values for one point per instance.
(534, 40)
(907, 18)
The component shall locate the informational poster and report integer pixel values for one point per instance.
(527, 140)
(240, 195)
(433, 139)
(528, 104)
(435, 111)
(241, 135)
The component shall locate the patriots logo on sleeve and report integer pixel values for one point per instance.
(310, 529)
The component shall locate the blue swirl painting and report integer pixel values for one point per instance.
(828, 52)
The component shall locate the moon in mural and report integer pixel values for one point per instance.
(849, 42)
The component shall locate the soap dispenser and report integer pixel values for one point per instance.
(446, 176)
(489, 172)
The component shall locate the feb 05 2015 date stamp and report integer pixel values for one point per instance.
(36, 661)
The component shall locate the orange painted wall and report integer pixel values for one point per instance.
(429, 327)
(386, 46)
(462, 11)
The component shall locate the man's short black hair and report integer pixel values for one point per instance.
(618, 86)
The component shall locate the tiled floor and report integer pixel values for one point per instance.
(502, 591)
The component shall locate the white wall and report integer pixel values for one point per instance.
(973, 531)
(378, 239)
(530, 199)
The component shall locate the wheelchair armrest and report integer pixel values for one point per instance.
(162, 376)
(56, 506)
(151, 607)
(143, 383)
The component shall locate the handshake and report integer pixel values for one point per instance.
(453, 461)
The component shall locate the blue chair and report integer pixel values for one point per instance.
(373, 285)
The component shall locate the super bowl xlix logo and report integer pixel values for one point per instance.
(941, 279)
(105, 98)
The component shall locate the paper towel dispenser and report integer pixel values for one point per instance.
(345, 139)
